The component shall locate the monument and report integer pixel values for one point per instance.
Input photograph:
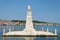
(29, 31)
(29, 22)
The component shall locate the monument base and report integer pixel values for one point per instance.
(30, 36)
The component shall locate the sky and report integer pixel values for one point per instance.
(42, 10)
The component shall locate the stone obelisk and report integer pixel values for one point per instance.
(29, 22)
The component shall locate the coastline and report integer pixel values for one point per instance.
(21, 22)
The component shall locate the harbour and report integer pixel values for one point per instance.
(44, 25)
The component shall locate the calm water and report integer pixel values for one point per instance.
(51, 29)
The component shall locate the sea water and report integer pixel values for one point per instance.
(37, 28)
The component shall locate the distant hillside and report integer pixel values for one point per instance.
(37, 23)
(22, 22)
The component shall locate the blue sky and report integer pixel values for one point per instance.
(42, 10)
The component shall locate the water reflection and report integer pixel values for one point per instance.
(29, 38)
(46, 38)
(13, 38)
(55, 38)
